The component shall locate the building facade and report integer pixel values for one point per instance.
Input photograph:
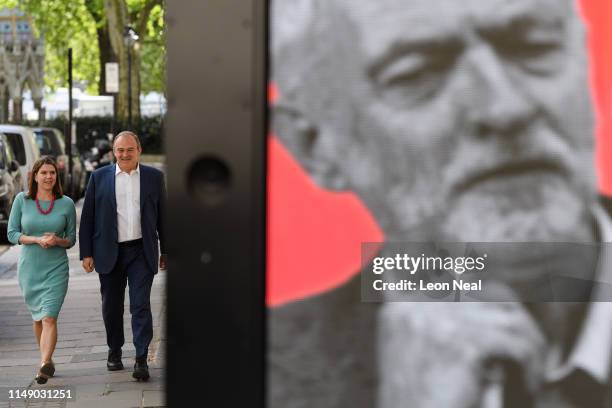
(22, 61)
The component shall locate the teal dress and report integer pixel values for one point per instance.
(43, 273)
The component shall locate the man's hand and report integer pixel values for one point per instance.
(441, 354)
(162, 262)
(88, 264)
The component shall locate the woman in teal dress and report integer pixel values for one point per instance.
(44, 222)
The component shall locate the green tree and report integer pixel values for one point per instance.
(95, 8)
(146, 17)
(94, 29)
(63, 24)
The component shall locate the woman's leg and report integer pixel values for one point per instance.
(37, 327)
(48, 339)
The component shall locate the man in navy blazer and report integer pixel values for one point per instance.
(121, 225)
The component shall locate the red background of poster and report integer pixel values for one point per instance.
(315, 236)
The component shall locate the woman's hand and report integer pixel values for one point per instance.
(49, 239)
(42, 241)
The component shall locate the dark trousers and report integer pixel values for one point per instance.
(130, 268)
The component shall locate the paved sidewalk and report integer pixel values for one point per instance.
(81, 351)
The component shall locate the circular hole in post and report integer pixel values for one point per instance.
(209, 180)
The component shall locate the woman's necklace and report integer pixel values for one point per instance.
(43, 212)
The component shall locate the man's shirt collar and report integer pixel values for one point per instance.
(593, 349)
(118, 169)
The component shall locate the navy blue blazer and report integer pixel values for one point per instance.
(98, 229)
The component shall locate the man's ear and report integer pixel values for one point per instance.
(311, 145)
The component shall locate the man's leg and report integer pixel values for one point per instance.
(112, 288)
(140, 280)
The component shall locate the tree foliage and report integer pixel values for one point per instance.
(78, 23)
(154, 53)
(137, 14)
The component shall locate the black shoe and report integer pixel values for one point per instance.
(46, 371)
(41, 378)
(114, 361)
(141, 369)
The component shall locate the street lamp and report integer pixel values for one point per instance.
(130, 38)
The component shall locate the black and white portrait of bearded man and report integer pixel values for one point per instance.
(459, 121)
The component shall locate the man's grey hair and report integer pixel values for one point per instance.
(304, 40)
(299, 57)
(127, 133)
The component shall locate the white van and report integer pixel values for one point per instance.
(23, 141)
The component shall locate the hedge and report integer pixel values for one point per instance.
(91, 128)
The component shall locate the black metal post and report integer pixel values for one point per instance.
(68, 136)
(224, 215)
(129, 52)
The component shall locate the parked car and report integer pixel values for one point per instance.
(51, 142)
(10, 182)
(23, 143)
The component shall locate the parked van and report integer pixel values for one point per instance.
(10, 183)
(23, 143)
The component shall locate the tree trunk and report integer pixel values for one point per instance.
(106, 55)
(117, 15)
(136, 85)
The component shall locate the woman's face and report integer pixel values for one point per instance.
(46, 177)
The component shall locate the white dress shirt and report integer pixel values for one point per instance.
(592, 351)
(127, 194)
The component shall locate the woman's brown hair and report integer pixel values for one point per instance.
(33, 185)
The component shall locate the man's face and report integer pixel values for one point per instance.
(469, 118)
(126, 152)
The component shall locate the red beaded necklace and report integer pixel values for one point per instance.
(43, 212)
